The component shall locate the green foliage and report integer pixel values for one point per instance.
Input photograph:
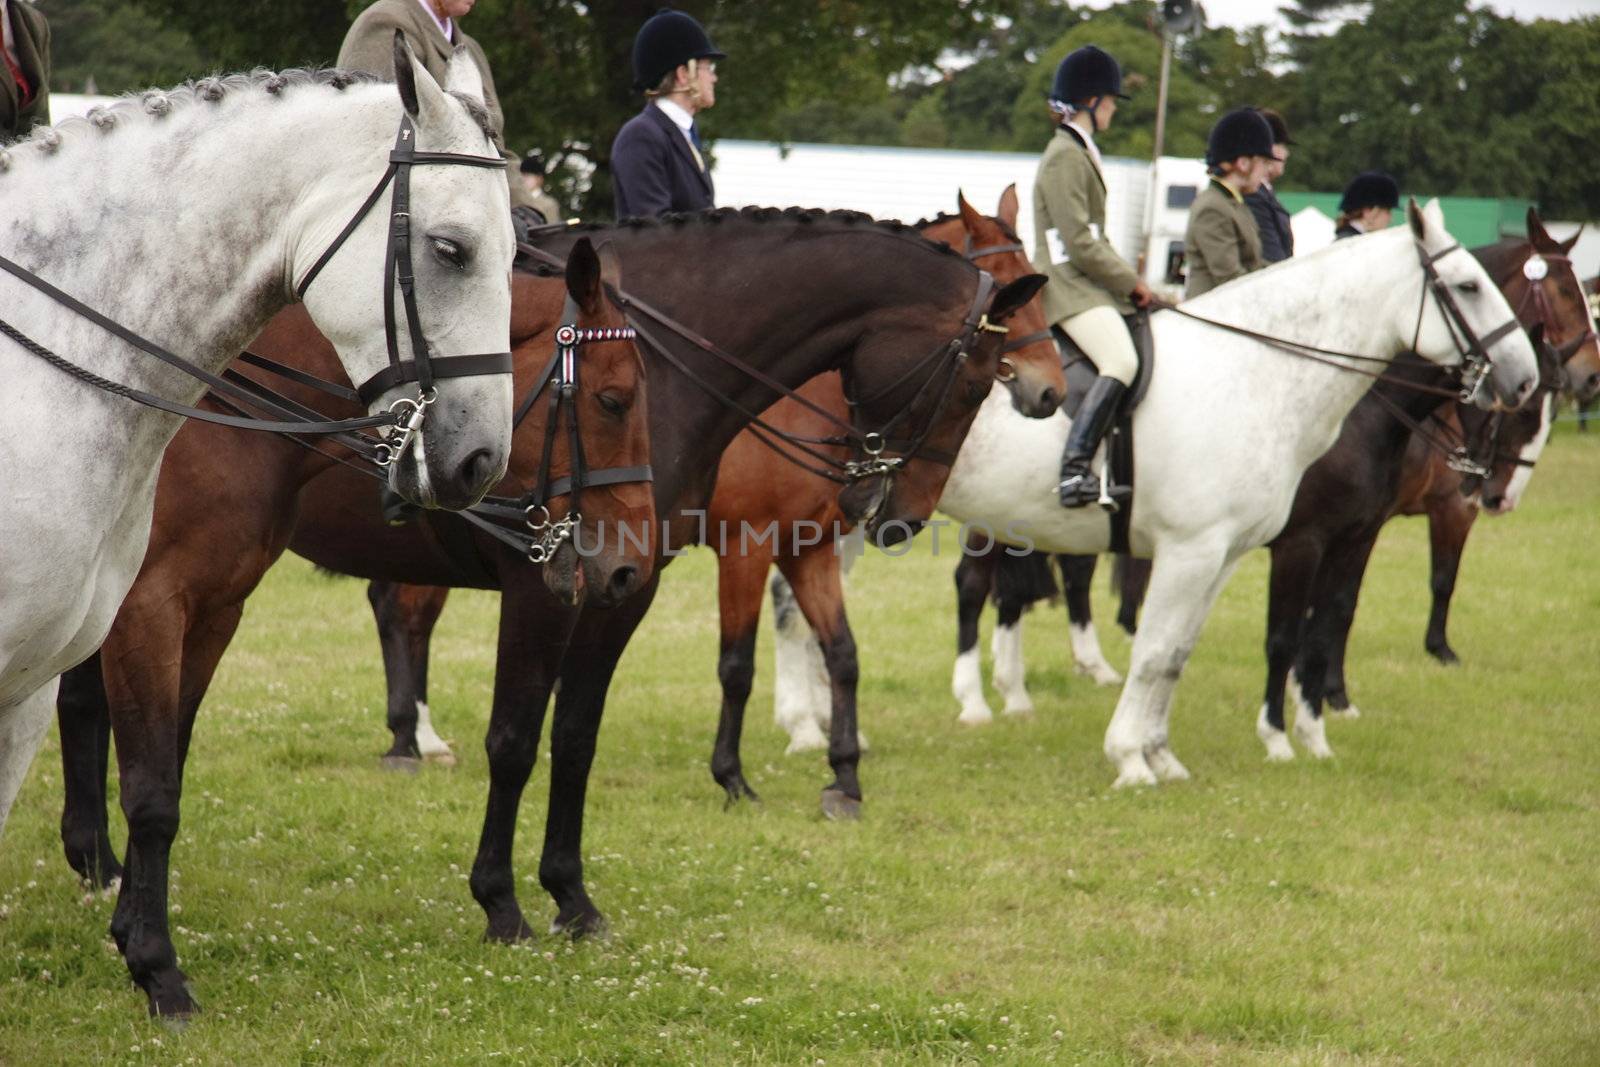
(122, 48)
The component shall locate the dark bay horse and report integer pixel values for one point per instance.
(796, 293)
(225, 508)
(800, 506)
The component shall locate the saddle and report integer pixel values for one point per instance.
(1080, 372)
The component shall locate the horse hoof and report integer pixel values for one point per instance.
(738, 789)
(1133, 771)
(1166, 766)
(508, 933)
(1349, 711)
(976, 716)
(402, 764)
(1020, 710)
(1106, 677)
(1445, 655)
(838, 805)
(812, 740)
(440, 759)
(585, 923)
(171, 1001)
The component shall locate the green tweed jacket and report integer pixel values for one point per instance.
(1069, 234)
(1222, 242)
(30, 37)
(369, 46)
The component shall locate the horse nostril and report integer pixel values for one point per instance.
(1050, 400)
(622, 580)
(477, 469)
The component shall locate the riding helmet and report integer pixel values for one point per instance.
(1371, 188)
(1280, 129)
(1241, 132)
(1085, 74)
(667, 40)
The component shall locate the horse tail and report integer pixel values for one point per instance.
(1024, 580)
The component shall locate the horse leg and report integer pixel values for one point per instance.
(527, 660)
(1005, 646)
(406, 615)
(1184, 583)
(1449, 523)
(800, 698)
(22, 729)
(1327, 631)
(814, 576)
(1294, 573)
(741, 579)
(586, 673)
(85, 723)
(1131, 575)
(974, 581)
(1077, 578)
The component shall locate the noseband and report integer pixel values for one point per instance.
(1476, 361)
(1006, 373)
(423, 368)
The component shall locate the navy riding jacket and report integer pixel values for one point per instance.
(652, 169)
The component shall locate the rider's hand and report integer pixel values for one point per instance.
(1141, 295)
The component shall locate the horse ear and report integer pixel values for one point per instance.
(969, 214)
(1007, 211)
(1014, 297)
(610, 265)
(462, 75)
(420, 95)
(1538, 236)
(1414, 217)
(583, 276)
(1567, 245)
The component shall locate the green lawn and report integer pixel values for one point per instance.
(1432, 896)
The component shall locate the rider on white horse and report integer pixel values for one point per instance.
(1092, 287)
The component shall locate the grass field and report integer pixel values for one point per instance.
(1432, 896)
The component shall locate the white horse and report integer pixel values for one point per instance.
(189, 217)
(1224, 434)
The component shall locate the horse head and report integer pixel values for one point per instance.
(1508, 443)
(1030, 366)
(430, 343)
(613, 440)
(1465, 319)
(1550, 283)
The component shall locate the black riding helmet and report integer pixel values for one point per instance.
(1085, 76)
(1241, 132)
(667, 40)
(1371, 188)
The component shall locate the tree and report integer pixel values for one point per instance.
(114, 48)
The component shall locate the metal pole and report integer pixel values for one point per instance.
(1155, 156)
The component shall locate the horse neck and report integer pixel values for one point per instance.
(813, 295)
(175, 227)
(1350, 297)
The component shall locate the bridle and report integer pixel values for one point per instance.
(942, 364)
(1006, 372)
(423, 367)
(560, 376)
(403, 418)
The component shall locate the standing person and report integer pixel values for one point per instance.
(1091, 287)
(1272, 219)
(1367, 205)
(533, 177)
(25, 80)
(1222, 242)
(432, 28)
(656, 160)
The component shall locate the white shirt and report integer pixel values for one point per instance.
(683, 120)
(1094, 149)
(445, 25)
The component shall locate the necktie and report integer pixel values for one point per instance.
(696, 146)
(24, 90)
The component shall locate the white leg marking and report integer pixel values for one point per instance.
(1350, 711)
(1088, 657)
(1278, 748)
(802, 705)
(1309, 729)
(967, 685)
(429, 743)
(1009, 670)
(1166, 765)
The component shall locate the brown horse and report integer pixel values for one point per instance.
(798, 293)
(798, 505)
(225, 508)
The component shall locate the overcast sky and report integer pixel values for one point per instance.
(1255, 12)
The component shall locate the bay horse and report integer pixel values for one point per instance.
(1209, 490)
(225, 509)
(1378, 463)
(796, 293)
(192, 216)
(799, 506)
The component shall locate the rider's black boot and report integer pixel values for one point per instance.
(397, 510)
(1080, 486)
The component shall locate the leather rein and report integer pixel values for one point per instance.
(403, 418)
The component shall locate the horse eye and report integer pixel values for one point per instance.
(449, 251)
(614, 405)
(1468, 287)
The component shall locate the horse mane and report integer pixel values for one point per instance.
(155, 104)
(836, 219)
